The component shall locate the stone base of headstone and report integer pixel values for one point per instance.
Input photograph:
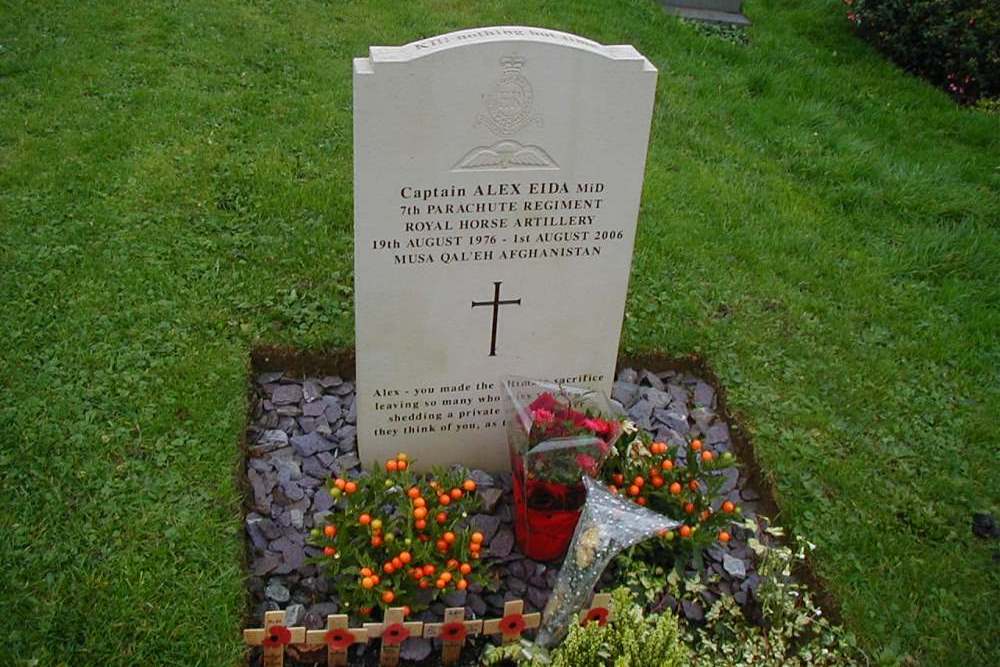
(726, 12)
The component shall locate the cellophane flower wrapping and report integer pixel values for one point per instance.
(557, 434)
(607, 525)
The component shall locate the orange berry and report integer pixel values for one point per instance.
(451, 564)
(477, 538)
(445, 576)
(365, 519)
(388, 597)
(685, 531)
(419, 502)
(420, 524)
(441, 545)
(449, 537)
(441, 517)
(724, 536)
(633, 490)
(461, 584)
(696, 445)
(707, 456)
(340, 483)
(350, 487)
(465, 568)
(376, 579)
(693, 485)
(641, 501)
(428, 570)
(618, 479)
(406, 610)
(402, 465)
(397, 563)
(444, 499)
(405, 557)
(420, 512)
(414, 492)
(402, 456)
(441, 583)
(469, 485)
(391, 465)
(367, 582)
(658, 482)
(704, 516)
(689, 508)
(613, 489)
(728, 507)
(456, 493)
(638, 481)
(388, 568)
(675, 488)
(667, 464)
(330, 530)
(329, 552)
(366, 572)
(424, 584)
(376, 540)
(474, 548)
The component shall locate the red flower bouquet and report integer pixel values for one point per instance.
(556, 435)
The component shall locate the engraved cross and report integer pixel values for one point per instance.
(496, 303)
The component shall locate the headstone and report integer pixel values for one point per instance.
(497, 181)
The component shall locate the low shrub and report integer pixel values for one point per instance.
(955, 44)
(398, 539)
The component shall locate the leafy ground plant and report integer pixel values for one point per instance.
(630, 638)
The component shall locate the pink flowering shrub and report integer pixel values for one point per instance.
(955, 44)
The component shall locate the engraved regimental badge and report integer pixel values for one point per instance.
(508, 104)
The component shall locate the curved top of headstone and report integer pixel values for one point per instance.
(486, 35)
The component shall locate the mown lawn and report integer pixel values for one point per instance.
(175, 186)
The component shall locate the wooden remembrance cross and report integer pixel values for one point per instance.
(452, 633)
(274, 636)
(393, 631)
(338, 639)
(513, 623)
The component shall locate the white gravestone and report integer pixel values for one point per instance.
(497, 176)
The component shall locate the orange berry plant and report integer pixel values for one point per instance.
(393, 540)
(650, 474)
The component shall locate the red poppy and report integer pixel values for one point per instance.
(339, 639)
(599, 614)
(512, 624)
(395, 634)
(277, 635)
(453, 632)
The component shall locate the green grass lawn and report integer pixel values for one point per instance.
(175, 186)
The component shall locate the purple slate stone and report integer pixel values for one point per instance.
(321, 500)
(538, 596)
(287, 394)
(475, 603)
(718, 433)
(311, 390)
(416, 649)
(266, 563)
(487, 524)
(502, 543)
(311, 443)
(314, 409)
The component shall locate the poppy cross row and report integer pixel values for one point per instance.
(394, 630)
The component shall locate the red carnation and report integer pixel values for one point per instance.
(277, 635)
(395, 634)
(512, 624)
(339, 639)
(453, 632)
(599, 614)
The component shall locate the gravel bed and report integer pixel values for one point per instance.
(304, 430)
